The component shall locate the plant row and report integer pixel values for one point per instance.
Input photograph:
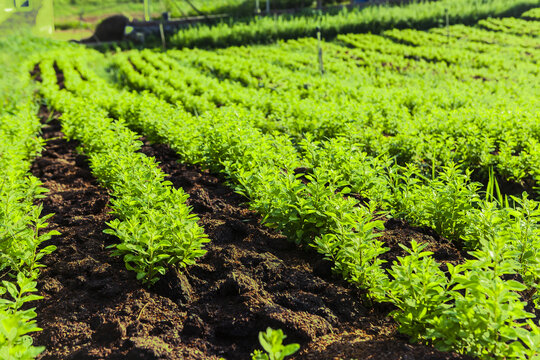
(532, 14)
(375, 19)
(155, 226)
(22, 225)
(512, 26)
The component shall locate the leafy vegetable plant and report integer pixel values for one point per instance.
(272, 342)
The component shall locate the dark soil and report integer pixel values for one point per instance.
(60, 78)
(250, 278)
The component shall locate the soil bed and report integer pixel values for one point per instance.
(250, 278)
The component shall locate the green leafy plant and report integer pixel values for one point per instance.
(478, 288)
(419, 289)
(442, 202)
(272, 342)
(16, 323)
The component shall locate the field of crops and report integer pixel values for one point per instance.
(373, 196)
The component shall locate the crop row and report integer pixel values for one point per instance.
(21, 224)
(532, 14)
(312, 207)
(155, 226)
(419, 15)
(512, 25)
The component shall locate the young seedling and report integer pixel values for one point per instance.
(272, 343)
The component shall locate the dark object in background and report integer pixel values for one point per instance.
(110, 29)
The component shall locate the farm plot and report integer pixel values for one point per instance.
(324, 159)
(384, 195)
(250, 278)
